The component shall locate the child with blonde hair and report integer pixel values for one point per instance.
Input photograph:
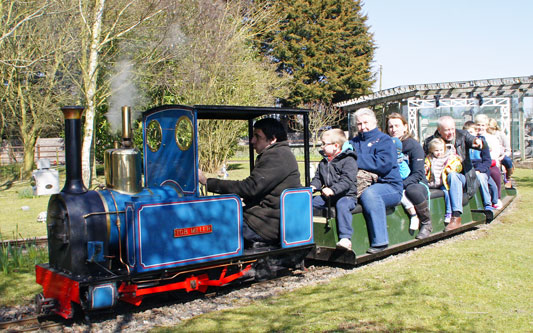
(482, 124)
(439, 162)
(336, 180)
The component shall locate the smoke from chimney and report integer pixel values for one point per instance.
(123, 92)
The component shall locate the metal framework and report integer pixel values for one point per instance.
(503, 104)
(501, 87)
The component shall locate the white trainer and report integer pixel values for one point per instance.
(344, 243)
(415, 223)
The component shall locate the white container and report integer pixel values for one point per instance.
(45, 180)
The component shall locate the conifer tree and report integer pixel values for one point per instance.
(325, 46)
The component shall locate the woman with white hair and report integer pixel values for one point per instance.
(376, 153)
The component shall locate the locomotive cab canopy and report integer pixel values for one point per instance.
(171, 141)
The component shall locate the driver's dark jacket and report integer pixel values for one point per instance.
(275, 170)
(463, 142)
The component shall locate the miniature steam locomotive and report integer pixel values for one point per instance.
(126, 241)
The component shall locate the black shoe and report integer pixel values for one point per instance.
(376, 249)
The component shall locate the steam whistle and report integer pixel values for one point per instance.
(126, 127)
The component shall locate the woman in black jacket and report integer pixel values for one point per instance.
(413, 189)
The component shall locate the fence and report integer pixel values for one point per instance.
(52, 149)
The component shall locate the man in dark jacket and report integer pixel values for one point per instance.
(336, 179)
(275, 170)
(376, 153)
(461, 141)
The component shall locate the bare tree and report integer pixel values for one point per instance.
(102, 24)
(32, 50)
(322, 116)
(209, 60)
(14, 14)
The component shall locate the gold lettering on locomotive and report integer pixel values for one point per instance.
(191, 231)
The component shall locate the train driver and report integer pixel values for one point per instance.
(275, 170)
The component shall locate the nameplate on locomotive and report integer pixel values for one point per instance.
(199, 230)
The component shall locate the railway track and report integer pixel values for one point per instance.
(28, 241)
(112, 318)
(33, 323)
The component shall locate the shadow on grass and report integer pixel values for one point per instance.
(235, 166)
(524, 181)
(7, 185)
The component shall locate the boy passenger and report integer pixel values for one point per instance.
(336, 181)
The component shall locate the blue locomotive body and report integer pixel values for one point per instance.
(162, 235)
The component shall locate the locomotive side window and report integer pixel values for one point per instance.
(184, 133)
(153, 135)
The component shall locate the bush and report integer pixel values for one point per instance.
(25, 193)
(9, 172)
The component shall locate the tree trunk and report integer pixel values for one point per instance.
(29, 155)
(90, 93)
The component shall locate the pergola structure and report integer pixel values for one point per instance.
(508, 100)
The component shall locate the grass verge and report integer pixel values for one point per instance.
(17, 273)
(19, 210)
(479, 281)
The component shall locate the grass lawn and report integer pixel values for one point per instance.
(18, 286)
(16, 223)
(474, 285)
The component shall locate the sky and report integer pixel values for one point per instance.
(430, 41)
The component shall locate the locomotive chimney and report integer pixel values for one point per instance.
(74, 182)
(126, 127)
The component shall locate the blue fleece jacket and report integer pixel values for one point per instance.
(376, 152)
(481, 159)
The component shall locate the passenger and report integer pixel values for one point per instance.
(439, 163)
(336, 180)
(404, 173)
(482, 122)
(481, 162)
(505, 151)
(376, 153)
(460, 141)
(275, 170)
(415, 184)
(401, 159)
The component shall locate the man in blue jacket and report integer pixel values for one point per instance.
(377, 154)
